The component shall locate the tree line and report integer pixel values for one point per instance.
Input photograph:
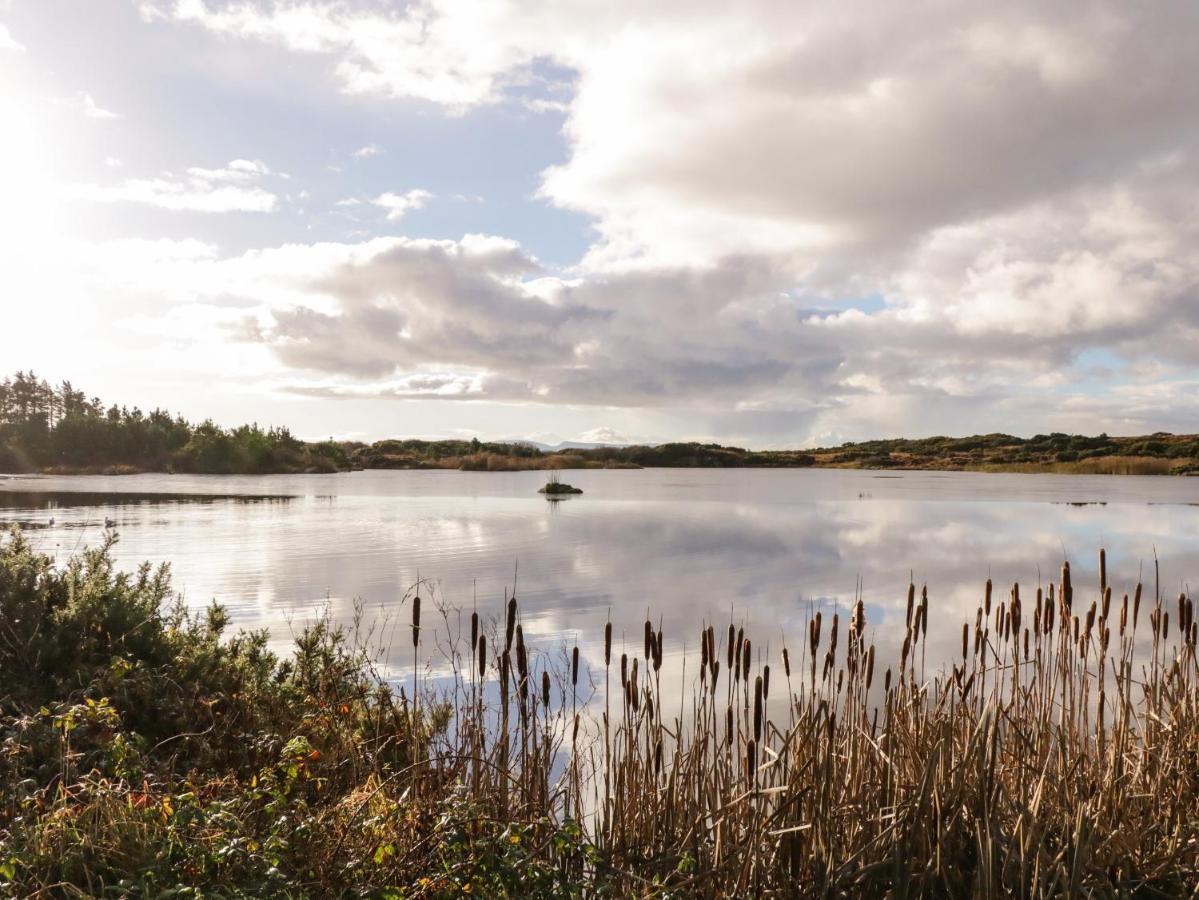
(58, 428)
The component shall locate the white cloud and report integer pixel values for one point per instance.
(987, 182)
(399, 204)
(8, 42)
(231, 188)
(85, 104)
(368, 151)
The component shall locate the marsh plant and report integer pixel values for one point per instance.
(143, 753)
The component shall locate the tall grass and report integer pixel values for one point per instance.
(1057, 754)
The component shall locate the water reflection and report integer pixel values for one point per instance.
(762, 547)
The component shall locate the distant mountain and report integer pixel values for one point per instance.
(570, 445)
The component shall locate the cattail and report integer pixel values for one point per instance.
(869, 666)
(474, 630)
(1136, 606)
(505, 671)
(1026, 645)
(1107, 601)
(887, 681)
(987, 597)
(751, 760)
(1165, 626)
(658, 758)
(511, 622)
(732, 639)
(965, 638)
(1067, 589)
(545, 689)
(737, 657)
(482, 655)
(766, 682)
(624, 669)
(758, 708)
(911, 603)
(416, 621)
(786, 664)
(658, 652)
(715, 673)
(728, 724)
(574, 667)
(857, 623)
(1102, 572)
(745, 658)
(522, 659)
(649, 639)
(608, 644)
(703, 651)
(924, 611)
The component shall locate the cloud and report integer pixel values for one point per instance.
(85, 104)
(810, 220)
(366, 152)
(399, 204)
(231, 188)
(8, 42)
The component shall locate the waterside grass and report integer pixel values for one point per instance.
(1057, 753)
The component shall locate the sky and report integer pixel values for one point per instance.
(769, 223)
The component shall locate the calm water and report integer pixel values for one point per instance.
(686, 545)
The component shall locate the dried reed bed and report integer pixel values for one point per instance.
(1058, 755)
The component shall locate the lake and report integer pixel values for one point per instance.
(684, 545)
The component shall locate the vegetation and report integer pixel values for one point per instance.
(49, 429)
(556, 487)
(58, 430)
(1155, 454)
(142, 754)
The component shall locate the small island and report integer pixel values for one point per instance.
(554, 487)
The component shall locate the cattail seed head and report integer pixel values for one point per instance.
(758, 708)
(786, 664)
(482, 655)
(745, 658)
(766, 682)
(416, 621)
(729, 648)
(608, 644)
(511, 623)
(574, 667)
(545, 688)
(474, 630)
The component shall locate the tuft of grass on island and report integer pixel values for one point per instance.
(59, 431)
(146, 753)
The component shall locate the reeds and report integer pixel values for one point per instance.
(1059, 754)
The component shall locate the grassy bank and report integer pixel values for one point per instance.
(145, 753)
